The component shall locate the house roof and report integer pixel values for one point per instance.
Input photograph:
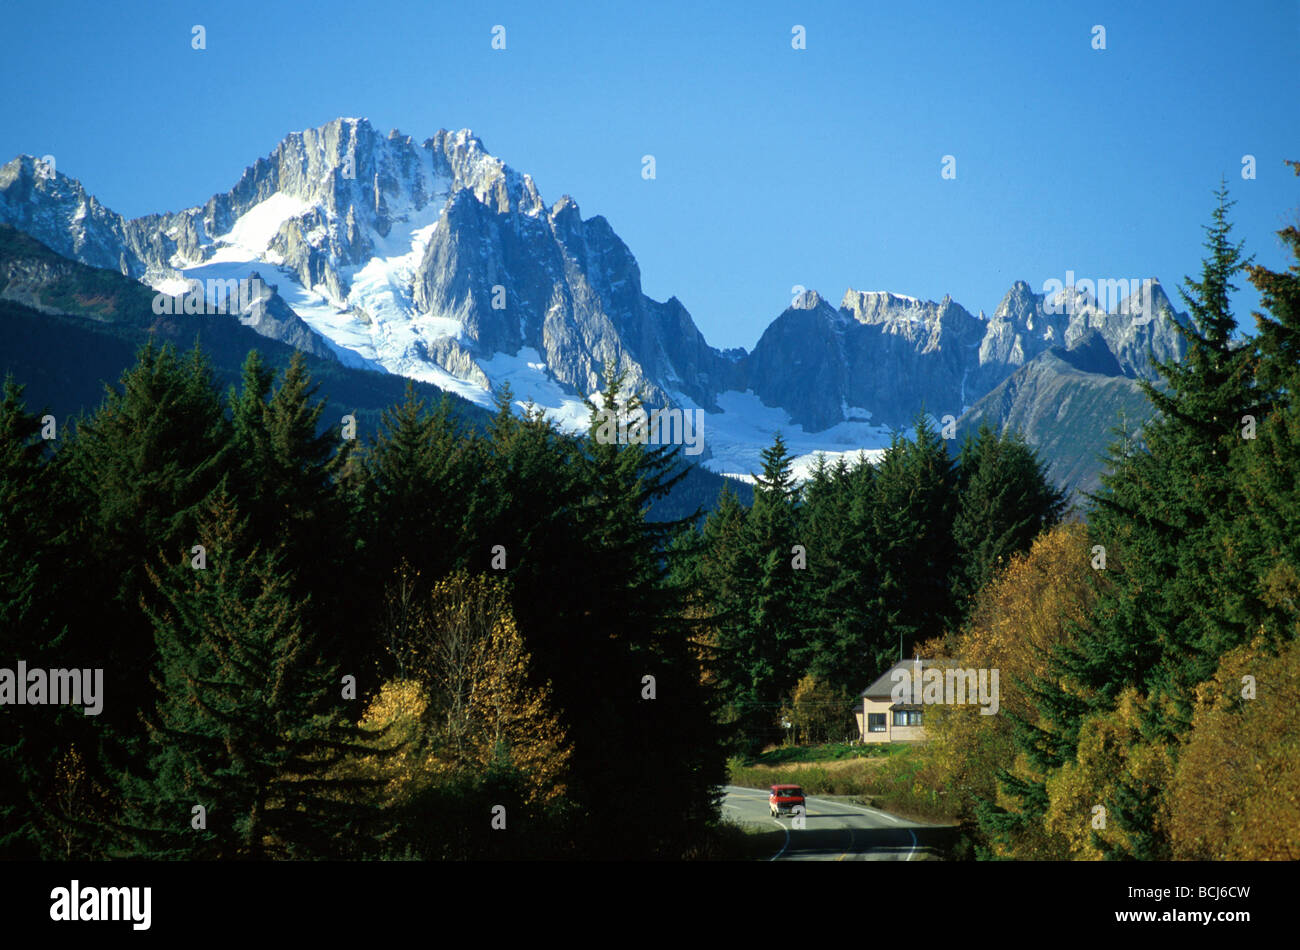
(883, 688)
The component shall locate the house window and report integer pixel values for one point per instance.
(907, 717)
(875, 722)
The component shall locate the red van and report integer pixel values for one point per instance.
(784, 798)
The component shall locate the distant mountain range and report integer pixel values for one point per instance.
(436, 261)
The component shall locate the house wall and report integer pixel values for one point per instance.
(874, 706)
(892, 732)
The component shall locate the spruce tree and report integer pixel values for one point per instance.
(1278, 337)
(1164, 509)
(30, 736)
(665, 745)
(842, 637)
(410, 507)
(135, 474)
(1267, 536)
(717, 568)
(288, 462)
(1210, 392)
(1161, 519)
(1004, 500)
(286, 471)
(913, 506)
(417, 480)
(250, 723)
(761, 636)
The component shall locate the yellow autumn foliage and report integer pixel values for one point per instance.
(1023, 612)
(819, 712)
(395, 722)
(504, 711)
(1110, 751)
(462, 698)
(1236, 792)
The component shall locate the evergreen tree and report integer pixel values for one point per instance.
(30, 736)
(249, 438)
(417, 481)
(759, 651)
(135, 474)
(665, 745)
(1266, 538)
(1279, 325)
(1004, 501)
(1278, 338)
(410, 504)
(1201, 414)
(717, 566)
(1162, 516)
(1164, 508)
(717, 571)
(287, 463)
(914, 503)
(843, 647)
(286, 481)
(250, 722)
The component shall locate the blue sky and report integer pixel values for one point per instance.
(775, 166)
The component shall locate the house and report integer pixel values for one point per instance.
(880, 719)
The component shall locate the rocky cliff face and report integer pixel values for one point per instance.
(268, 315)
(893, 356)
(1066, 403)
(567, 288)
(1026, 324)
(879, 356)
(57, 211)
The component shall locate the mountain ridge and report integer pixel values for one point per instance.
(437, 261)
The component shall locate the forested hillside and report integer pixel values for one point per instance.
(421, 635)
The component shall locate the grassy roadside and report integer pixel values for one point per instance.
(729, 840)
(888, 777)
(831, 752)
(881, 776)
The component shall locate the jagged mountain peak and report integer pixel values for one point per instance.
(1144, 295)
(869, 305)
(809, 300)
(424, 259)
(1016, 301)
(54, 207)
(566, 205)
(925, 321)
(34, 174)
(1131, 320)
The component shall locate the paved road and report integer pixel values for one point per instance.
(834, 830)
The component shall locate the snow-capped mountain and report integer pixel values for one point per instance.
(436, 261)
(888, 355)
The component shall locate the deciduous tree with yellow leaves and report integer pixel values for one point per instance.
(1028, 608)
(460, 729)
